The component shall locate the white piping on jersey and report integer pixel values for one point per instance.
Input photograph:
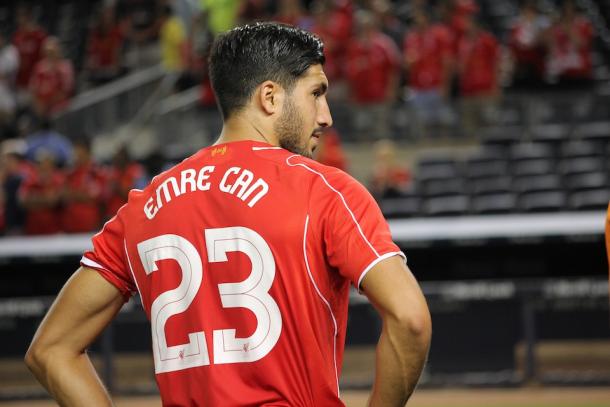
(131, 270)
(266, 148)
(340, 195)
(323, 300)
(106, 223)
(88, 262)
(377, 260)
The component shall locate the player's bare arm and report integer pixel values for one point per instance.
(58, 353)
(405, 337)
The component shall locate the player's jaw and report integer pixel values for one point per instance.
(293, 135)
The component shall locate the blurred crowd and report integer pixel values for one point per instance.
(52, 185)
(437, 59)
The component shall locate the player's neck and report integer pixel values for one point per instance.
(241, 128)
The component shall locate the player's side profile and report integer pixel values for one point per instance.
(243, 256)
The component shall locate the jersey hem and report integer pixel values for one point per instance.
(374, 263)
(107, 275)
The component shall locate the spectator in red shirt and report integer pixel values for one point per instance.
(334, 26)
(105, 49)
(478, 66)
(124, 175)
(527, 45)
(570, 47)
(462, 11)
(373, 62)
(28, 39)
(52, 83)
(40, 196)
(428, 60)
(82, 192)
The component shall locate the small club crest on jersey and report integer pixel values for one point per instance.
(219, 151)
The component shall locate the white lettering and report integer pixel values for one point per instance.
(204, 174)
(244, 179)
(150, 209)
(235, 181)
(187, 176)
(163, 187)
(258, 184)
(223, 184)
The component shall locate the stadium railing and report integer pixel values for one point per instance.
(106, 107)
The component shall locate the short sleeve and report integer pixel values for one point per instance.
(108, 257)
(355, 233)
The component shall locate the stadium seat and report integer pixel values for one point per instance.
(599, 130)
(590, 200)
(443, 187)
(404, 207)
(490, 185)
(587, 180)
(546, 201)
(528, 151)
(487, 162)
(432, 171)
(536, 183)
(494, 203)
(480, 169)
(553, 133)
(580, 148)
(581, 165)
(538, 166)
(447, 205)
(502, 135)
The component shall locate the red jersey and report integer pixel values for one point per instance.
(243, 255)
(29, 45)
(80, 215)
(52, 84)
(429, 50)
(570, 57)
(371, 66)
(42, 218)
(479, 58)
(335, 31)
(525, 42)
(104, 48)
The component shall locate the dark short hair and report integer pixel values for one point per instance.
(246, 56)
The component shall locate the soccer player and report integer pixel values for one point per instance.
(243, 255)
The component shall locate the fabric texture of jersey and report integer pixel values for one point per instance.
(243, 255)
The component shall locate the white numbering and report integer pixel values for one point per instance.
(176, 301)
(252, 293)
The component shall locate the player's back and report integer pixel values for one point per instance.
(244, 309)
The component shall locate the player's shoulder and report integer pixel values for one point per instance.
(325, 178)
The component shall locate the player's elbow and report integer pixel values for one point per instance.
(38, 357)
(414, 322)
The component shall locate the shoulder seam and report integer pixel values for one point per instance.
(351, 213)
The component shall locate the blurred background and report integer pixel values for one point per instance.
(481, 127)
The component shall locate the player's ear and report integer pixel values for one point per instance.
(270, 97)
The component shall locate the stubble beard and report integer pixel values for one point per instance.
(289, 129)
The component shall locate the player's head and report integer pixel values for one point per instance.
(277, 69)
